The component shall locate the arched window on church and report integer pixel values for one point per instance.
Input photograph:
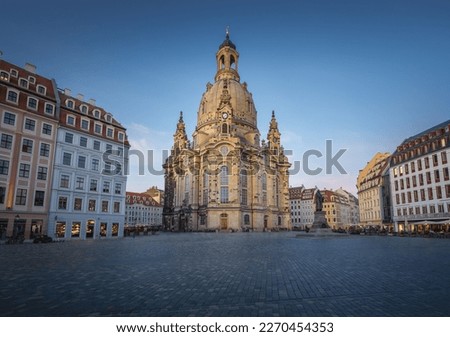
(224, 128)
(205, 187)
(224, 184)
(264, 188)
(244, 187)
(187, 186)
(222, 62)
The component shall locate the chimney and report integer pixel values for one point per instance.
(30, 67)
(67, 92)
(92, 101)
(80, 97)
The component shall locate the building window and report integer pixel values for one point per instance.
(430, 193)
(95, 164)
(23, 83)
(40, 89)
(27, 146)
(96, 113)
(85, 124)
(109, 133)
(2, 195)
(427, 162)
(79, 183)
(81, 162)
(42, 173)
(224, 184)
(96, 145)
(24, 170)
(6, 141)
(12, 97)
(244, 185)
(84, 109)
(70, 104)
(64, 181)
(47, 129)
(121, 137)
(92, 205)
(39, 198)
(435, 160)
(118, 188)
(67, 158)
(77, 204)
(444, 157)
(116, 207)
(83, 141)
(4, 167)
(93, 185)
(4, 76)
(9, 118)
(98, 128)
(446, 175)
(32, 103)
(105, 207)
(205, 187)
(438, 192)
(21, 196)
(68, 138)
(30, 124)
(106, 186)
(49, 109)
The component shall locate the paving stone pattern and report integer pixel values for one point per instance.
(227, 274)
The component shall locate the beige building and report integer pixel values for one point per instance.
(341, 208)
(28, 128)
(374, 192)
(227, 178)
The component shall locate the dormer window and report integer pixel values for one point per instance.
(12, 96)
(40, 89)
(32, 79)
(32, 103)
(4, 76)
(14, 73)
(97, 113)
(84, 108)
(108, 118)
(23, 83)
(70, 103)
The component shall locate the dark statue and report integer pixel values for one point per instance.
(319, 201)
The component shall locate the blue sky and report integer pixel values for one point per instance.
(365, 74)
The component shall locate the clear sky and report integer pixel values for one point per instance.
(364, 74)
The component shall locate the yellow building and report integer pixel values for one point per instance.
(227, 178)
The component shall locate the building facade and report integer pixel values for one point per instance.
(420, 181)
(89, 184)
(142, 211)
(28, 128)
(341, 208)
(227, 178)
(374, 192)
(302, 206)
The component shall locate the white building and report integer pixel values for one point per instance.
(420, 182)
(302, 206)
(142, 211)
(88, 190)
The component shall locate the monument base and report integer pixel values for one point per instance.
(320, 227)
(320, 222)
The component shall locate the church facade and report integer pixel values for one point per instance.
(227, 178)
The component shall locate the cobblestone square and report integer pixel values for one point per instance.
(227, 274)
